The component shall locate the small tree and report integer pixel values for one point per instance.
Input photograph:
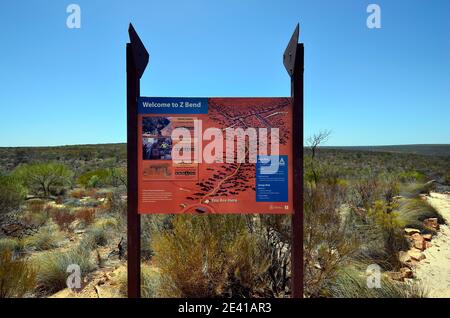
(314, 142)
(12, 194)
(44, 178)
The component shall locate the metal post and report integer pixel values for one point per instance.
(137, 60)
(294, 63)
(133, 218)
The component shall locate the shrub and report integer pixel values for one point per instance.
(62, 217)
(390, 228)
(47, 238)
(115, 206)
(276, 233)
(35, 206)
(37, 213)
(413, 190)
(17, 277)
(197, 258)
(87, 215)
(107, 223)
(366, 191)
(93, 182)
(35, 219)
(150, 282)
(151, 224)
(412, 176)
(117, 177)
(329, 240)
(44, 178)
(12, 194)
(96, 235)
(52, 267)
(389, 190)
(413, 212)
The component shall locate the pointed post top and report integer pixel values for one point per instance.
(291, 49)
(140, 54)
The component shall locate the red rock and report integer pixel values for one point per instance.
(431, 223)
(404, 258)
(418, 241)
(406, 272)
(395, 276)
(416, 255)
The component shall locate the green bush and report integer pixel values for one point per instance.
(329, 240)
(150, 282)
(94, 179)
(52, 267)
(17, 277)
(44, 178)
(198, 258)
(47, 238)
(108, 223)
(12, 194)
(151, 224)
(389, 225)
(412, 176)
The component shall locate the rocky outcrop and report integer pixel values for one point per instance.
(431, 223)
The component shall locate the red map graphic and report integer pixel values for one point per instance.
(169, 187)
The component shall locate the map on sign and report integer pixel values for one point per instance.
(214, 155)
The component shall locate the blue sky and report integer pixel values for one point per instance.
(368, 86)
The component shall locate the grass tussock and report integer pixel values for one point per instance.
(52, 267)
(150, 282)
(98, 234)
(17, 277)
(47, 238)
(413, 212)
(13, 245)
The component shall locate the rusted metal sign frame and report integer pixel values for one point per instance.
(293, 60)
(137, 59)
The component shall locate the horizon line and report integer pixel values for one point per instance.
(329, 146)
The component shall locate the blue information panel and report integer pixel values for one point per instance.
(272, 186)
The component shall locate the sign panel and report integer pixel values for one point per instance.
(214, 155)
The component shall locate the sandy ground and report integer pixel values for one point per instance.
(103, 283)
(433, 273)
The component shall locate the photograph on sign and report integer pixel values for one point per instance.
(214, 155)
